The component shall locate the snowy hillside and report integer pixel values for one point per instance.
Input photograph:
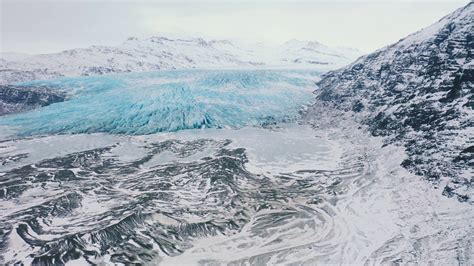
(12, 56)
(314, 53)
(162, 53)
(420, 92)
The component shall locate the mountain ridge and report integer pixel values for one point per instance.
(418, 92)
(165, 53)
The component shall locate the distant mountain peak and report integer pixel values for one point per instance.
(430, 32)
(176, 52)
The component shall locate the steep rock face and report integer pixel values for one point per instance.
(419, 92)
(15, 99)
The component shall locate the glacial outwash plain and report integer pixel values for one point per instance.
(171, 151)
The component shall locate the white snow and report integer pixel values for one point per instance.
(380, 212)
(158, 53)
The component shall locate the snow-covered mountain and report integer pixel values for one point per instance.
(420, 92)
(314, 53)
(158, 53)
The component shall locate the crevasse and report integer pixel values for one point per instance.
(145, 103)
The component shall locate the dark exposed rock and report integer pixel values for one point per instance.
(419, 93)
(14, 99)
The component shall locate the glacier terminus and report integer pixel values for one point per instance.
(202, 151)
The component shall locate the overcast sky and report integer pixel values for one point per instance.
(36, 26)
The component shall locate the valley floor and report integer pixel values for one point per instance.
(286, 194)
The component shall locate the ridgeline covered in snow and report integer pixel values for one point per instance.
(420, 93)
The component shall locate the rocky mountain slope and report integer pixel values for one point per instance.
(14, 99)
(11, 76)
(158, 53)
(419, 92)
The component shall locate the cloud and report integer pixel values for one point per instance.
(48, 26)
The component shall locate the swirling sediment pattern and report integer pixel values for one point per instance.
(220, 197)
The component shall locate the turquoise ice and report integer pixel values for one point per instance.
(145, 103)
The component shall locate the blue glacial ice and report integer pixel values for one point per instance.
(145, 103)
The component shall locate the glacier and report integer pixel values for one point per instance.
(110, 177)
(247, 188)
(145, 103)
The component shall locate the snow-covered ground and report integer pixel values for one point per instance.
(286, 194)
(365, 210)
(244, 166)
